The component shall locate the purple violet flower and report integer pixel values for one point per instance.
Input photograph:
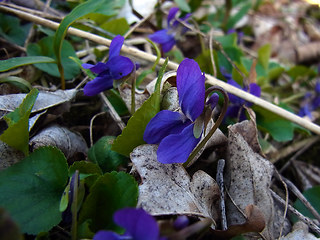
(167, 37)
(139, 225)
(174, 131)
(115, 68)
(236, 109)
(311, 102)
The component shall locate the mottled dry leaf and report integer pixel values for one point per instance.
(68, 142)
(255, 222)
(300, 231)
(168, 189)
(125, 93)
(45, 100)
(9, 156)
(248, 176)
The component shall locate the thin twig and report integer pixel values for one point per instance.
(174, 66)
(113, 112)
(302, 198)
(303, 218)
(136, 25)
(220, 182)
(287, 201)
(91, 126)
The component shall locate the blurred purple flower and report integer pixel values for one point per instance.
(311, 102)
(239, 33)
(115, 68)
(139, 225)
(167, 37)
(174, 131)
(236, 109)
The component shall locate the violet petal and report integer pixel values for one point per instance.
(172, 13)
(115, 46)
(255, 89)
(120, 66)
(161, 36)
(233, 111)
(191, 89)
(164, 124)
(213, 100)
(98, 68)
(97, 85)
(138, 223)
(176, 148)
(106, 235)
(234, 99)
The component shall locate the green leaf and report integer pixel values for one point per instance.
(233, 20)
(183, 5)
(44, 47)
(279, 128)
(111, 192)
(234, 53)
(105, 7)
(17, 133)
(24, 85)
(12, 31)
(264, 55)
(31, 189)
(89, 171)
(102, 154)
(301, 71)
(313, 196)
(117, 102)
(11, 63)
(117, 26)
(229, 40)
(132, 134)
(79, 63)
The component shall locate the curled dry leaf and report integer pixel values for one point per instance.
(9, 156)
(168, 189)
(248, 176)
(255, 222)
(68, 142)
(300, 231)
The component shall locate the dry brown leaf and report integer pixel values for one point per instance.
(248, 176)
(168, 189)
(299, 231)
(68, 142)
(255, 222)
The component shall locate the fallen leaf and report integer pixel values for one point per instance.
(248, 178)
(168, 189)
(254, 223)
(300, 231)
(45, 100)
(68, 142)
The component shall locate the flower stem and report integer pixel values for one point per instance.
(215, 126)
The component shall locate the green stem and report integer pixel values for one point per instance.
(61, 71)
(228, 8)
(215, 126)
(74, 206)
